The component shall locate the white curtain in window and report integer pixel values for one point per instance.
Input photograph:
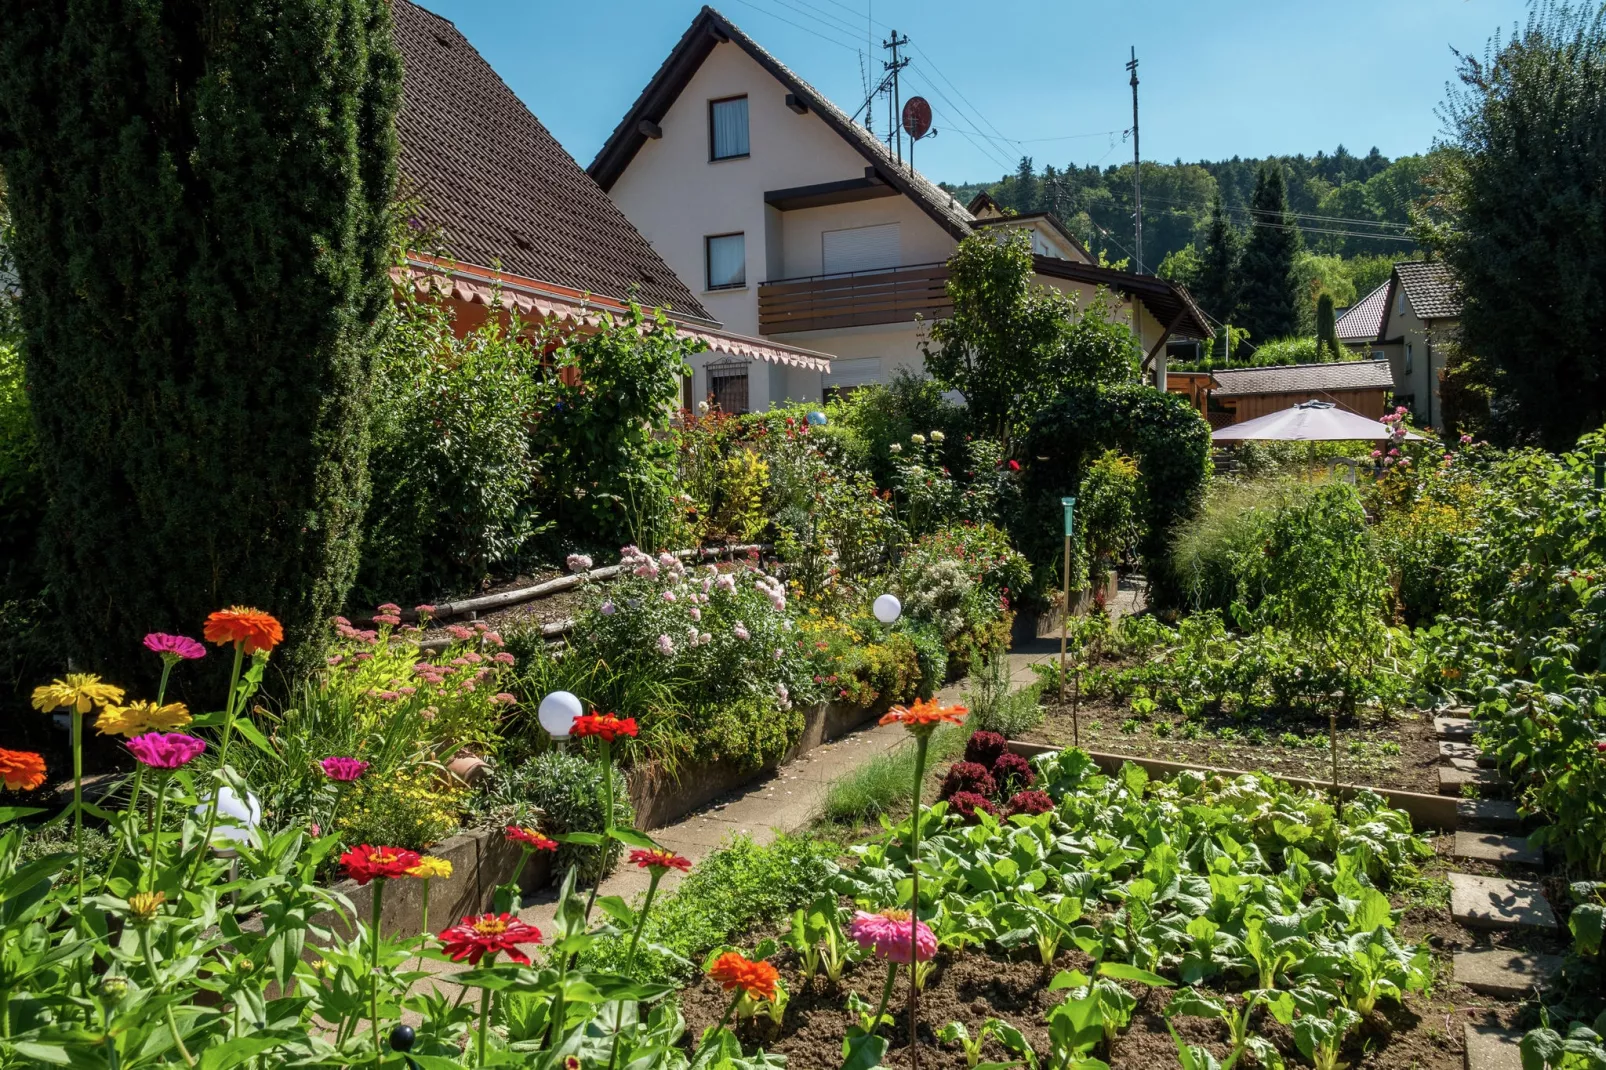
(727, 261)
(730, 128)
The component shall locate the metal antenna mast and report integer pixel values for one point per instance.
(894, 103)
(1137, 168)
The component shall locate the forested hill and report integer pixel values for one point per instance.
(1348, 205)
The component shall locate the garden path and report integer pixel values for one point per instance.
(783, 801)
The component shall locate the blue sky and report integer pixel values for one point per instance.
(1045, 78)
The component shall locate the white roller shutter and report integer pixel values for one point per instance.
(845, 374)
(861, 249)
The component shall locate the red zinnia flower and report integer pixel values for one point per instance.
(733, 970)
(364, 863)
(489, 934)
(604, 725)
(660, 859)
(256, 631)
(21, 770)
(1014, 466)
(530, 838)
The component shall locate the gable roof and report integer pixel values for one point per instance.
(500, 187)
(1363, 321)
(1304, 378)
(1167, 301)
(1431, 287)
(1050, 218)
(709, 29)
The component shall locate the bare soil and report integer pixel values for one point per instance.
(1383, 750)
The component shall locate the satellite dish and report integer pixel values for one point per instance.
(917, 117)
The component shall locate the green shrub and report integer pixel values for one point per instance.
(1213, 554)
(962, 581)
(451, 458)
(412, 807)
(733, 890)
(558, 792)
(204, 261)
(931, 654)
(994, 706)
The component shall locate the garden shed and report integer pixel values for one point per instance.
(1358, 386)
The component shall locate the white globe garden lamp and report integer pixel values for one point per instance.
(557, 713)
(887, 608)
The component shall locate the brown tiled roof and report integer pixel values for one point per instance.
(1363, 321)
(708, 29)
(1310, 379)
(1431, 288)
(500, 187)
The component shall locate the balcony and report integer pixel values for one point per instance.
(853, 299)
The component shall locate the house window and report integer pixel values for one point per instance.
(727, 128)
(860, 249)
(1399, 301)
(1408, 361)
(727, 386)
(727, 261)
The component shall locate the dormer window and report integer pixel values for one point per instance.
(727, 128)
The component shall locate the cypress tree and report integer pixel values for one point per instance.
(1218, 272)
(200, 192)
(1270, 295)
(1327, 347)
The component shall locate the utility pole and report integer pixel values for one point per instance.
(894, 103)
(1137, 167)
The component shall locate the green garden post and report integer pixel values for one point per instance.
(1065, 610)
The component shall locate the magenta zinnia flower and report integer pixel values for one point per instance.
(177, 647)
(887, 934)
(166, 750)
(344, 770)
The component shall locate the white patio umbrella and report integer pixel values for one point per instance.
(1309, 421)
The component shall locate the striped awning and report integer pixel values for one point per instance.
(534, 299)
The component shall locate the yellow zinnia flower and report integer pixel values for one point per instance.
(143, 906)
(430, 866)
(141, 717)
(81, 691)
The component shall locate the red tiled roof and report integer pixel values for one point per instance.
(1363, 321)
(500, 187)
(1304, 378)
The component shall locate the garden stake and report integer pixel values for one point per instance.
(1065, 596)
(1332, 736)
(922, 742)
(373, 975)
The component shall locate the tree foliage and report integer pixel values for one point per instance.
(1526, 211)
(1010, 344)
(1161, 431)
(1218, 285)
(1268, 292)
(201, 217)
(1327, 347)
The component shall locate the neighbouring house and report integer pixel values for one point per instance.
(1408, 321)
(1361, 386)
(792, 222)
(523, 228)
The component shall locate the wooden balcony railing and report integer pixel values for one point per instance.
(853, 299)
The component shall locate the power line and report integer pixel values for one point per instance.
(797, 25)
(985, 149)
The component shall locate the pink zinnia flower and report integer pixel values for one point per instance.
(166, 750)
(177, 647)
(887, 934)
(345, 770)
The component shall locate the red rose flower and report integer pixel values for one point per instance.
(364, 863)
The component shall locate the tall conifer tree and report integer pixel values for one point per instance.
(1217, 290)
(1269, 292)
(201, 194)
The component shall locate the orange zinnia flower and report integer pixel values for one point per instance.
(925, 715)
(253, 629)
(733, 970)
(22, 770)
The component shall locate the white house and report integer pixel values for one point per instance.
(790, 222)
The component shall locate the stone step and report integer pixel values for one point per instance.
(1453, 727)
(1493, 903)
(1492, 1048)
(1503, 973)
(1457, 711)
(1493, 847)
(1452, 779)
(1488, 815)
(1464, 755)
